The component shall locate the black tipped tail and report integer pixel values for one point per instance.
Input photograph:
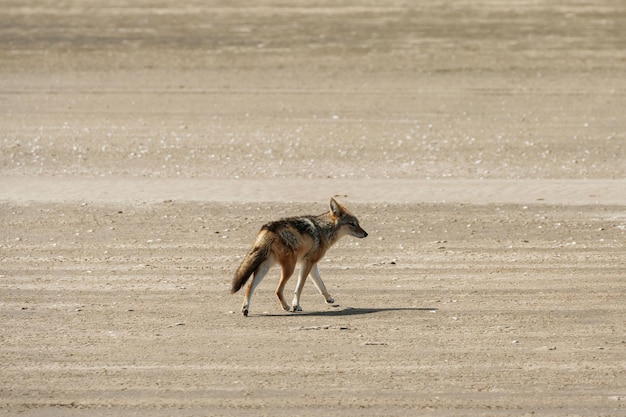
(254, 258)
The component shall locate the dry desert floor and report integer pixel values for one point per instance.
(482, 145)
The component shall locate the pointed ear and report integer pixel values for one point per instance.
(335, 208)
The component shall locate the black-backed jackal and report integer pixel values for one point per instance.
(290, 241)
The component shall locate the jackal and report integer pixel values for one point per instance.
(295, 240)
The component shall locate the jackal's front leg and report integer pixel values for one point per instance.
(305, 269)
(317, 280)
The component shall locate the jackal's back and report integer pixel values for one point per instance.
(292, 230)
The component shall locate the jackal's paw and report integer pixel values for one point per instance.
(295, 308)
(330, 300)
(244, 310)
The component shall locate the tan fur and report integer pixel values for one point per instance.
(290, 241)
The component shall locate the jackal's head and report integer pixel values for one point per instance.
(346, 222)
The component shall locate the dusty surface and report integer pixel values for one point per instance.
(482, 145)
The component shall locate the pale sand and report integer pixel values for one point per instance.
(398, 191)
(481, 143)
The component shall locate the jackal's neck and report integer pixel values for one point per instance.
(330, 229)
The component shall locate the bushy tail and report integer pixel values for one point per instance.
(254, 258)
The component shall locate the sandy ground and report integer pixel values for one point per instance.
(481, 144)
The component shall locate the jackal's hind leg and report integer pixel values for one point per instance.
(319, 284)
(259, 274)
(286, 273)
